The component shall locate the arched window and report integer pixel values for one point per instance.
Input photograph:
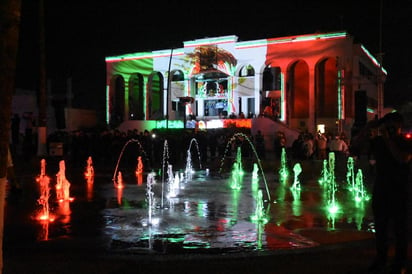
(155, 96)
(326, 89)
(247, 71)
(136, 92)
(116, 101)
(298, 90)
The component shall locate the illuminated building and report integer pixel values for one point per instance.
(306, 82)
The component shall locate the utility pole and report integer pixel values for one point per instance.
(380, 60)
(169, 79)
(42, 95)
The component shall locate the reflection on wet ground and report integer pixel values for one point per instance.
(205, 212)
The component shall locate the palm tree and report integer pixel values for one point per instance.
(9, 37)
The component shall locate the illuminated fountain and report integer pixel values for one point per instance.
(165, 165)
(260, 214)
(227, 149)
(332, 187)
(150, 196)
(283, 169)
(173, 183)
(255, 171)
(139, 167)
(324, 179)
(131, 141)
(44, 215)
(359, 188)
(237, 171)
(297, 169)
(89, 168)
(350, 173)
(189, 167)
(62, 184)
(44, 189)
(205, 212)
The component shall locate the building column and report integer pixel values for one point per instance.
(311, 124)
(258, 96)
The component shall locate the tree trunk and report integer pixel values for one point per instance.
(9, 37)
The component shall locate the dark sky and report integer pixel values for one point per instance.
(80, 34)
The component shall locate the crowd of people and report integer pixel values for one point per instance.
(309, 146)
(105, 145)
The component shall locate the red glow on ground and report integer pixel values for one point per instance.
(90, 182)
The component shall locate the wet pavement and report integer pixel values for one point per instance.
(208, 222)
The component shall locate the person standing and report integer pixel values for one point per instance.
(393, 154)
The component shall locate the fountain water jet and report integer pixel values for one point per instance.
(297, 169)
(44, 185)
(283, 170)
(350, 174)
(209, 215)
(242, 135)
(189, 167)
(62, 184)
(139, 167)
(331, 186)
(150, 195)
(122, 152)
(89, 168)
(360, 191)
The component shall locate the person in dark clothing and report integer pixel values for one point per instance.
(393, 154)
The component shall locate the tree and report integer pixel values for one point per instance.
(9, 37)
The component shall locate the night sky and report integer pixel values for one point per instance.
(80, 34)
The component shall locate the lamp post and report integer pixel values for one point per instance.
(168, 89)
(380, 59)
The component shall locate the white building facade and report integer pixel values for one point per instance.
(307, 82)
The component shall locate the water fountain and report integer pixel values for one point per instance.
(283, 169)
(250, 143)
(139, 167)
(359, 188)
(324, 173)
(205, 213)
(350, 173)
(44, 189)
(150, 196)
(189, 167)
(89, 175)
(131, 141)
(331, 187)
(89, 168)
(297, 169)
(62, 184)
